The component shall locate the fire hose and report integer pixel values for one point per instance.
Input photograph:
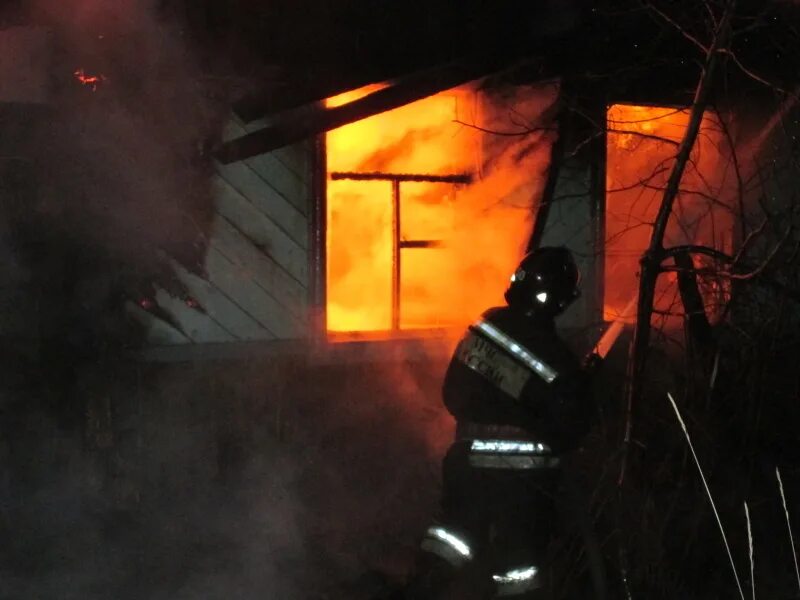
(593, 361)
(610, 336)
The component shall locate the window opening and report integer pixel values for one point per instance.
(428, 212)
(399, 242)
(642, 143)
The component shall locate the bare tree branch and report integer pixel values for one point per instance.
(697, 323)
(749, 240)
(753, 273)
(760, 269)
(653, 256)
(694, 249)
(640, 183)
(711, 16)
(739, 179)
(583, 143)
(751, 74)
(648, 136)
(677, 26)
(523, 132)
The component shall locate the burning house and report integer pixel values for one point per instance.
(402, 224)
(285, 244)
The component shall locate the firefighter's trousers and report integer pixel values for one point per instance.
(496, 520)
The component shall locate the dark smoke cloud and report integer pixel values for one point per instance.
(236, 483)
(261, 480)
(126, 157)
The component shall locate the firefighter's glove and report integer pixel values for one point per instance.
(592, 364)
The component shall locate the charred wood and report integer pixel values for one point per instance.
(312, 120)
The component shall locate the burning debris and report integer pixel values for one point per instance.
(91, 81)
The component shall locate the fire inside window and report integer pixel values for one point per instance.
(427, 214)
(641, 146)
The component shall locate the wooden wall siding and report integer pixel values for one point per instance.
(252, 297)
(286, 169)
(570, 224)
(229, 314)
(261, 230)
(257, 262)
(290, 292)
(159, 333)
(197, 326)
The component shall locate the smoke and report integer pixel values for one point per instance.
(271, 479)
(121, 172)
(268, 479)
(112, 486)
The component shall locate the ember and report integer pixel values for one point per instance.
(427, 216)
(89, 80)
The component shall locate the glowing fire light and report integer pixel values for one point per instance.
(89, 80)
(641, 149)
(458, 242)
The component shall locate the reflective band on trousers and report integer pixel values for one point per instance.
(446, 545)
(510, 446)
(509, 454)
(521, 353)
(517, 581)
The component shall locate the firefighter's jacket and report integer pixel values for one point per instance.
(512, 377)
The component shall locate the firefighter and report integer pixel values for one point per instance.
(521, 400)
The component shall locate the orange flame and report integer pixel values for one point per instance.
(642, 143)
(89, 80)
(479, 229)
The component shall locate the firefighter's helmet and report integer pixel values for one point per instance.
(546, 281)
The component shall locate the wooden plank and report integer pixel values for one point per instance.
(294, 93)
(266, 199)
(290, 185)
(199, 327)
(262, 232)
(296, 126)
(159, 333)
(222, 309)
(251, 297)
(292, 181)
(232, 128)
(261, 268)
(295, 157)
